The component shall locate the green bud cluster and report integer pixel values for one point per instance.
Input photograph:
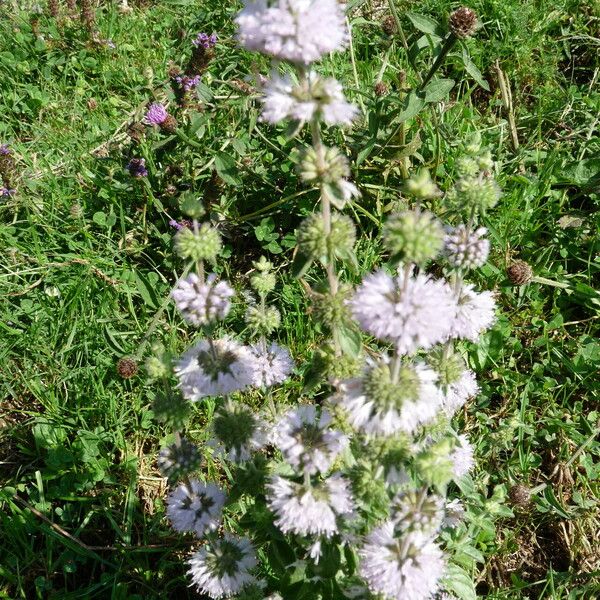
(480, 192)
(368, 485)
(171, 409)
(434, 464)
(263, 320)
(158, 364)
(313, 242)
(332, 309)
(331, 169)
(448, 366)
(234, 425)
(263, 280)
(413, 237)
(203, 245)
(421, 186)
(178, 460)
(191, 205)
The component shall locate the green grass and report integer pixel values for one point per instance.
(82, 503)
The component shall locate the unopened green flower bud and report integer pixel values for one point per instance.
(332, 309)
(482, 193)
(449, 366)
(472, 144)
(204, 245)
(331, 169)
(236, 428)
(313, 242)
(370, 491)
(191, 205)
(171, 409)
(413, 237)
(467, 166)
(434, 465)
(263, 321)
(179, 460)
(158, 367)
(485, 161)
(421, 186)
(263, 282)
(262, 264)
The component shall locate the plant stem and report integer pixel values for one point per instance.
(448, 45)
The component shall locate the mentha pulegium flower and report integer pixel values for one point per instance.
(272, 364)
(314, 96)
(300, 31)
(466, 249)
(457, 393)
(462, 457)
(475, 313)
(306, 440)
(385, 401)
(415, 511)
(197, 509)
(401, 566)
(413, 312)
(214, 369)
(201, 302)
(221, 569)
(309, 509)
(156, 114)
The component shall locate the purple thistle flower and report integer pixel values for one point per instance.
(7, 192)
(137, 168)
(156, 114)
(4, 149)
(188, 83)
(205, 40)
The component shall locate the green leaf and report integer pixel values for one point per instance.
(423, 23)
(413, 103)
(349, 338)
(438, 89)
(457, 580)
(301, 264)
(227, 168)
(473, 71)
(146, 290)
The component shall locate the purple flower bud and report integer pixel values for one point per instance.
(156, 114)
(137, 168)
(205, 40)
(7, 192)
(4, 149)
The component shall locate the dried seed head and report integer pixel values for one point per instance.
(389, 25)
(381, 89)
(127, 367)
(519, 273)
(519, 495)
(169, 125)
(75, 211)
(136, 132)
(463, 22)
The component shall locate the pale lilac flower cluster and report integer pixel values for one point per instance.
(300, 31)
(206, 41)
(412, 312)
(222, 568)
(5, 150)
(195, 507)
(314, 97)
(202, 302)
(401, 567)
(272, 364)
(309, 510)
